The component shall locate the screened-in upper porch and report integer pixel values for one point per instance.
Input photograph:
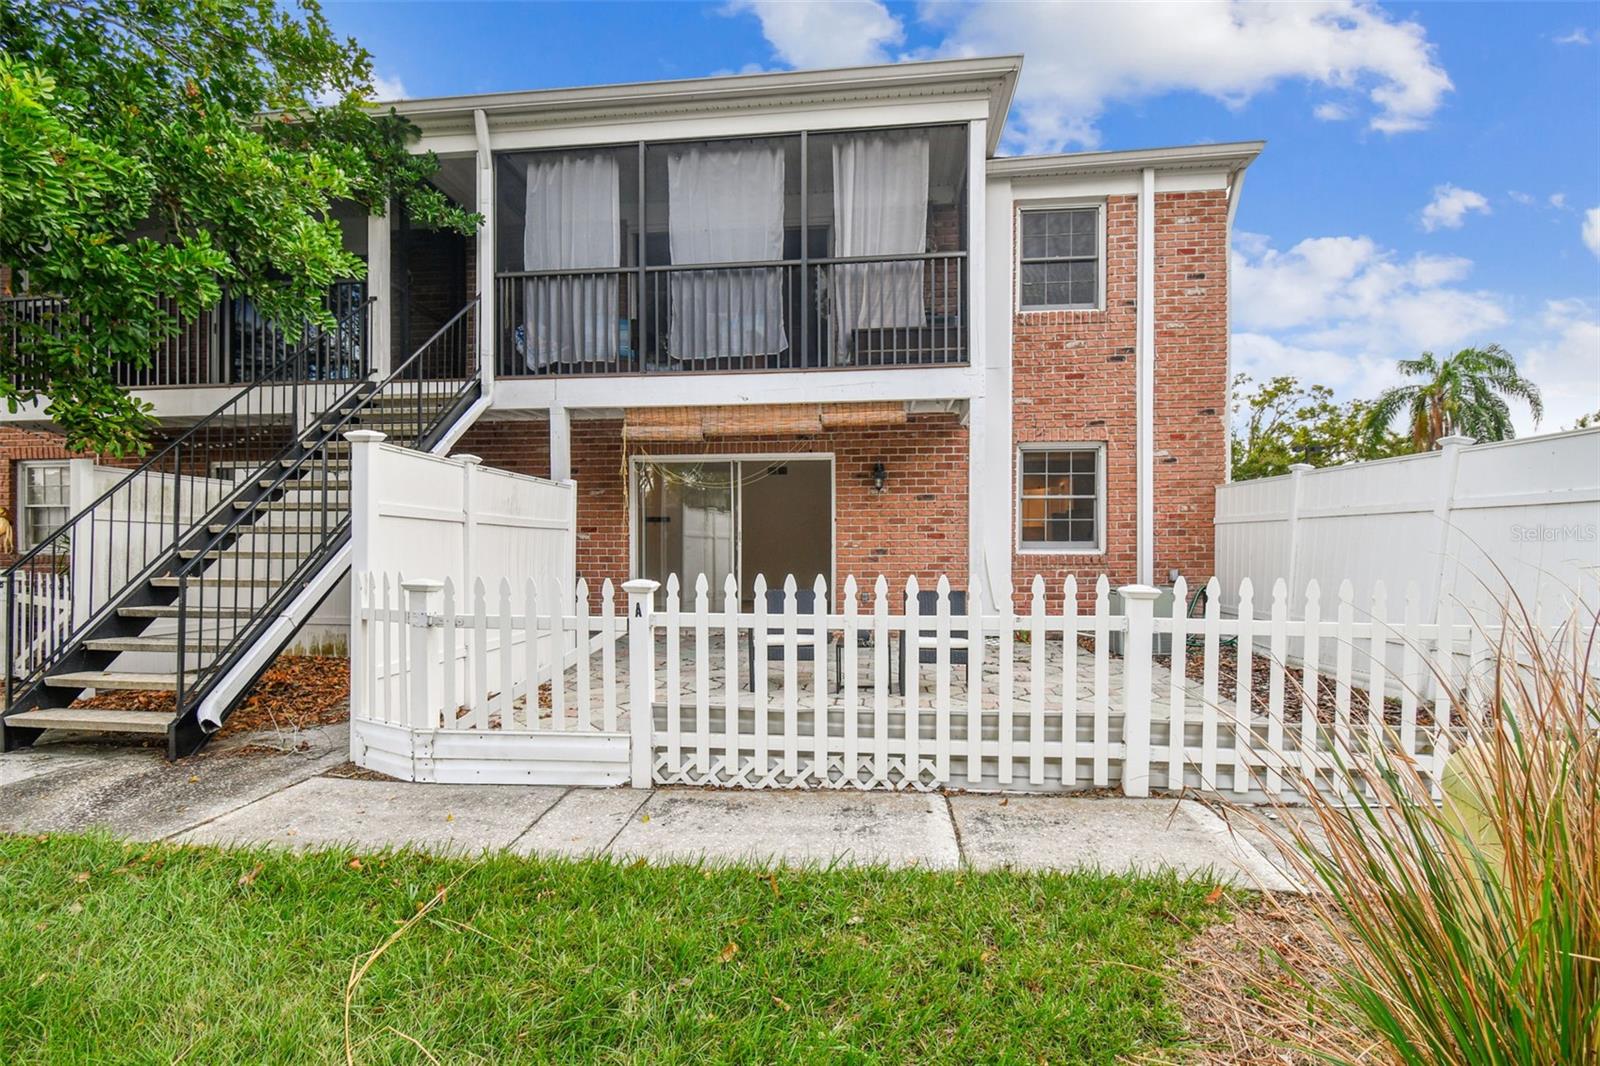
(804, 251)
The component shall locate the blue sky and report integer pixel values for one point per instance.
(1430, 171)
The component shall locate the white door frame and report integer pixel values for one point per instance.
(635, 548)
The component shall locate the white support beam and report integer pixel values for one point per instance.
(379, 287)
(1145, 347)
(485, 258)
(560, 443)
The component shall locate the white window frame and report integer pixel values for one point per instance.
(1035, 548)
(1071, 204)
(22, 526)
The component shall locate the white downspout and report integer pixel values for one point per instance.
(1145, 415)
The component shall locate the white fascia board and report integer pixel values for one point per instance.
(699, 390)
(510, 135)
(994, 79)
(1101, 185)
(1227, 157)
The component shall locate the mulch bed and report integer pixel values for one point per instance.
(1261, 689)
(296, 692)
(1240, 1002)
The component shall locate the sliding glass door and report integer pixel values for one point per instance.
(685, 523)
(735, 516)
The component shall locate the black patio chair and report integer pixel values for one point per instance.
(805, 606)
(928, 640)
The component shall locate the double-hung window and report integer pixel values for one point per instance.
(1061, 498)
(42, 503)
(1060, 267)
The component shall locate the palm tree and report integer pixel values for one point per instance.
(1465, 393)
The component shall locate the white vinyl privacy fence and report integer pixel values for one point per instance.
(1466, 522)
(883, 688)
(448, 520)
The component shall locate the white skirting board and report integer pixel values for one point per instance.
(498, 757)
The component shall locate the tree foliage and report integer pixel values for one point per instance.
(1280, 422)
(1465, 393)
(153, 152)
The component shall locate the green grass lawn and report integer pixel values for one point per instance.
(131, 953)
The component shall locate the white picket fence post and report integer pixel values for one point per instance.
(641, 676)
(1139, 603)
(426, 647)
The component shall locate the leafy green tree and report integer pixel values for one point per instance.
(1281, 422)
(1465, 393)
(153, 152)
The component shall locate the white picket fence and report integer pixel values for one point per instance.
(530, 684)
(37, 618)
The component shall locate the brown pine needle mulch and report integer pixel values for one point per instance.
(1242, 1006)
(296, 692)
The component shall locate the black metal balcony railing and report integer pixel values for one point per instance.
(132, 529)
(230, 344)
(779, 315)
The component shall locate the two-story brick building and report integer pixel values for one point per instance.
(813, 323)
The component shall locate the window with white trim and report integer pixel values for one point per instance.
(1061, 498)
(1060, 264)
(42, 503)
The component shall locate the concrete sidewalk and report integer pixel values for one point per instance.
(288, 799)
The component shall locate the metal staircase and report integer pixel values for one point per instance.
(190, 574)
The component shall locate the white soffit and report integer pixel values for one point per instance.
(993, 79)
(1227, 158)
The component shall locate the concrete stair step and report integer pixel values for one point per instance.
(170, 610)
(217, 582)
(331, 485)
(92, 720)
(209, 641)
(105, 680)
(339, 501)
(241, 553)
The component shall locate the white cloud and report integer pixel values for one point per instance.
(1579, 35)
(1525, 199)
(386, 88)
(1083, 57)
(1341, 310)
(1562, 358)
(1591, 230)
(1558, 200)
(825, 33)
(1450, 206)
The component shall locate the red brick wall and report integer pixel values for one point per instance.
(1075, 380)
(20, 446)
(918, 525)
(1191, 378)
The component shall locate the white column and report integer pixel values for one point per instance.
(641, 677)
(1443, 505)
(560, 443)
(469, 519)
(991, 427)
(426, 652)
(1139, 603)
(1291, 566)
(487, 331)
(1145, 342)
(363, 454)
(379, 287)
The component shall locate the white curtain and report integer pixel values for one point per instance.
(574, 222)
(725, 205)
(880, 207)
